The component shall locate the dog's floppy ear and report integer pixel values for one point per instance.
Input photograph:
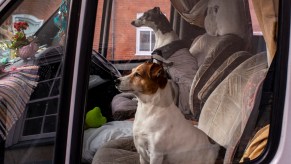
(157, 73)
(157, 9)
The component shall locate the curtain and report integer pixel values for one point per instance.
(267, 14)
(193, 11)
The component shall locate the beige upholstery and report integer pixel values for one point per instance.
(221, 47)
(226, 68)
(226, 111)
(228, 30)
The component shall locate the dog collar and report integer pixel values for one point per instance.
(169, 49)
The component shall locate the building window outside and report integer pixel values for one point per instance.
(145, 39)
(42, 109)
(40, 117)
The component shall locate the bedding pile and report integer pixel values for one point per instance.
(94, 138)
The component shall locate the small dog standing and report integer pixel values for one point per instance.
(161, 133)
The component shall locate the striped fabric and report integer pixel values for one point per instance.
(15, 90)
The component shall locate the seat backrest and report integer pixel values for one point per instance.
(225, 69)
(228, 31)
(222, 48)
(227, 110)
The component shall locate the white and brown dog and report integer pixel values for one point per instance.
(161, 133)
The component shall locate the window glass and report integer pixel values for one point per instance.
(209, 60)
(31, 50)
(145, 44)
(145, 40)
(193, 44)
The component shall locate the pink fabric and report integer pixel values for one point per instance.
(28, 51)
(15, 90)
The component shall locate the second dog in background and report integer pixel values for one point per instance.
(181, 65)
(157, 21)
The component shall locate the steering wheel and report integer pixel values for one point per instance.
(104, 68)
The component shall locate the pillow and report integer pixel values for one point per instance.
(94, 138)
(123, 106)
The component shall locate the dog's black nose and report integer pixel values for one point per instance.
(132, 22)
(117, 82)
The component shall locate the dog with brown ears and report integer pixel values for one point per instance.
(160, 131)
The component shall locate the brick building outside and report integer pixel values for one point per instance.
(123, 37)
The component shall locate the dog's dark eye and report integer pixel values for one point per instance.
(137, 75)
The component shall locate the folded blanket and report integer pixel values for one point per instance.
(119, 151)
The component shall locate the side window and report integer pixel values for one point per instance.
(31, 55)
(219, 75)
(41, 111)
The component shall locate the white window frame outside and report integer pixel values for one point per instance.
(33, 22)
(138, 31)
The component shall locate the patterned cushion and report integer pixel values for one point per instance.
(210, 52)
(226, 68)
(226, 111)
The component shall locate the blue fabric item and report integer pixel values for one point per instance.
(61, 20)
(4, 60)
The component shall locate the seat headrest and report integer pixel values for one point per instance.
(227, 17)
(218, 17)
